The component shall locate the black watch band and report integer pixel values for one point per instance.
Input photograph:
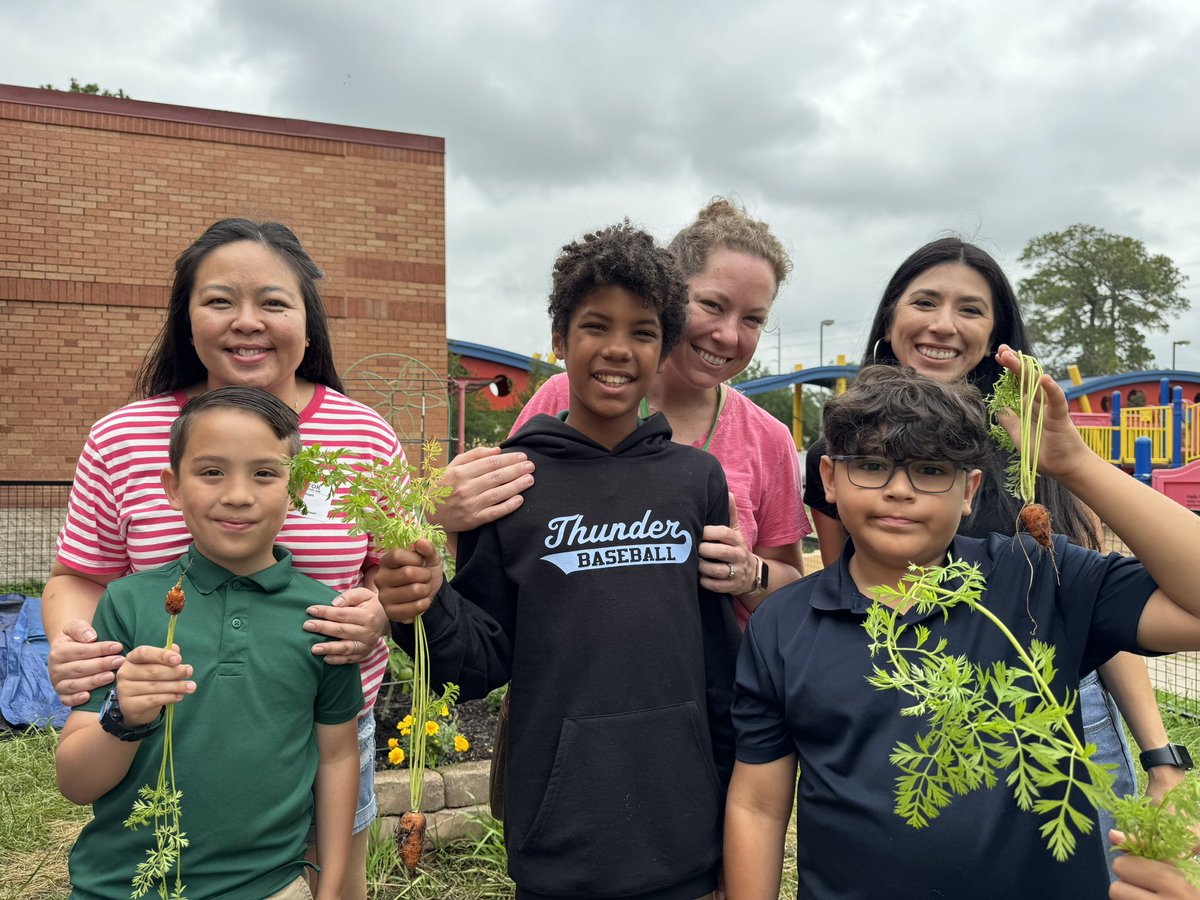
(766, 574)
(1170, 755)
(113, 722)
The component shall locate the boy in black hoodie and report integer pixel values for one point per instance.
(588, 600)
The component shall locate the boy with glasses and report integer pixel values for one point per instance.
(903, 470)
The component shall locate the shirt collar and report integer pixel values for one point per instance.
(841, 593)
(206, 576)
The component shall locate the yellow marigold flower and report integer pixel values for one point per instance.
(395, 756)
(393, 743)
(432, 728)
(406, 722)
(405, 730)
(461, 744)
(444, 712)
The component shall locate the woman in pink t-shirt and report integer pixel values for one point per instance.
(734, 266)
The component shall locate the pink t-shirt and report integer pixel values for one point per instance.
(119, 522)
(756, 451)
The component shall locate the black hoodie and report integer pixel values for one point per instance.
(588, 599)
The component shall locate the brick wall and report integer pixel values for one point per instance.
(101, 194)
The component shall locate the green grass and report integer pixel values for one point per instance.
(30, 587)
(37, 826)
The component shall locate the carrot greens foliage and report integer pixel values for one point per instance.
(1017, 393)
(391, 501)
(1002, 722)
(161, 804)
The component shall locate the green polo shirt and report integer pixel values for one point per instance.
(245, 750)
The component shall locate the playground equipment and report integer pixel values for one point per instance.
(1160, 443)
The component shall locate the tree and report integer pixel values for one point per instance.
(77, 88)
(1094, 297)
(779, 403)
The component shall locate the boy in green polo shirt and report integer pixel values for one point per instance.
(262, 728)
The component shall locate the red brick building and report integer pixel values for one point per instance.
(99, 196)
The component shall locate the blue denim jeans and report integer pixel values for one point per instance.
(1103, 727)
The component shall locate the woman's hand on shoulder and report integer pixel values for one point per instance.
(79, 664)
(727, 564)
(487, 486)
(354, 623)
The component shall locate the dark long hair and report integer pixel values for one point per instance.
(172, 362)
(1007, 328)
(1069, 516)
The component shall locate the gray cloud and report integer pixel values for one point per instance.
(858, 129)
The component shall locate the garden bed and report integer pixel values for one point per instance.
(476, 721)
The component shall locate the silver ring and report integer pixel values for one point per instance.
(732, 571)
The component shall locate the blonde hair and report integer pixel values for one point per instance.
(724, 223)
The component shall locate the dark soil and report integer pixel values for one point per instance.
(476, 720)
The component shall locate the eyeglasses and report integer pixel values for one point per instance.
(929, 476)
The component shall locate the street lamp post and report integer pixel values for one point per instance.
(500, 385)
(821, 345)
(1175, 344)
(779, 349)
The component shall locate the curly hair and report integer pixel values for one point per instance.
(172, 362)
(626, 257)
(723, 223)
(897, 413)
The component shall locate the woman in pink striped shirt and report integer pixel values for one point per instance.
(244, 310)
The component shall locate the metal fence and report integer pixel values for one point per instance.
(31, 514)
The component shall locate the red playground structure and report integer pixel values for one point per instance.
(1159, 444)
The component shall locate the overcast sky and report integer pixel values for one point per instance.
(859, 130)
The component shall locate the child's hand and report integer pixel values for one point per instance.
(1062, 447)
(149, 679)
(407, 581)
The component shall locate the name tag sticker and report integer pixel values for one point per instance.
(319, 501)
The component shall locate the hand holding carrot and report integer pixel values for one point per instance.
(150, 679)
(408, 580)
(1061, 448)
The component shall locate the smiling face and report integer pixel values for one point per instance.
(896, 524)
(231, 488)
(728, 305)
(248, 319)
(613, 350)
(942, 324)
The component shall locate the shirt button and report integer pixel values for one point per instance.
(237, 585)
(236, 623)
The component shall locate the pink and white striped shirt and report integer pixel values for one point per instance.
(119, 522)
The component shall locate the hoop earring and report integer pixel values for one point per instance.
(875, 350)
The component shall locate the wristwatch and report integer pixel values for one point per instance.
(1170, 755)
(761, 573)
(113, 722)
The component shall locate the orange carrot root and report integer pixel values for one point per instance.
(175, 600)
(410, 839)
(1036, 519)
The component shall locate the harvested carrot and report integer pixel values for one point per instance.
(410, 839)
(1036, 519)
(175, 598)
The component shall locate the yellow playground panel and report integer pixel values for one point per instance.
(1154, 422)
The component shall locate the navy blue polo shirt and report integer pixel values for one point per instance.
(801, 687)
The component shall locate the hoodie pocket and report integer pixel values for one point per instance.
(633, 803)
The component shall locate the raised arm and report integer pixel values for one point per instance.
(1158, 531)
